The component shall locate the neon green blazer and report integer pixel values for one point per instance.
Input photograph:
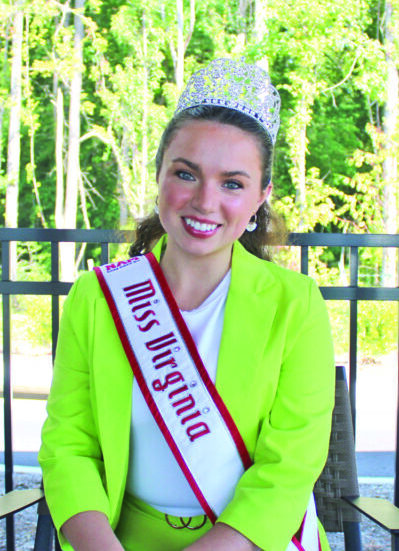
(275, 374)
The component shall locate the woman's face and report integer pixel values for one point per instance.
(209, 187)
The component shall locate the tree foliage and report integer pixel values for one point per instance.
(330, 64)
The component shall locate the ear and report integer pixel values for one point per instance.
(265, 194)
(269, 191)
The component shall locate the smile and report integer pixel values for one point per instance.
(200, 226)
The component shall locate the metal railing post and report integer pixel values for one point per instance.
(7, 392)
(304, 259)
(55, 299)
(354, 279)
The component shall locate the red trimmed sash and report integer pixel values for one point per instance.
(177, 388)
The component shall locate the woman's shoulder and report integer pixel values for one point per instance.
(273, 273)
(288, 276)
(85, 290)
(86, 282)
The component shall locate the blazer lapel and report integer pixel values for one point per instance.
(249, 314)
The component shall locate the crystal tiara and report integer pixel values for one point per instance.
(235, 85)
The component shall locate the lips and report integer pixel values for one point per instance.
(199, 228)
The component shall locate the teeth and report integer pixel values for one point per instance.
(199, 226)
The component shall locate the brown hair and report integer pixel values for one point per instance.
(270, 227)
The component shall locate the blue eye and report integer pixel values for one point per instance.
(184, 175)
(232, 184)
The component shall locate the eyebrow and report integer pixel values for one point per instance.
(187, 162)
(194, 166)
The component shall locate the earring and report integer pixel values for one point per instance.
(156, 209)
(252, 224)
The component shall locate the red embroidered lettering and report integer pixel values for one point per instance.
(161, 355)
(175, 392)
(170, 361)
(170, 379)
(110, 267)
(161, 342)
(140, 306)
(190, 404)
(190, 417)
(148, 326)
(197, 430)
(139, 291)
(145, 315)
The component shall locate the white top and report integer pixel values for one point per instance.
(154, 475)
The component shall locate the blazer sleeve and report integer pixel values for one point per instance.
(292, 445)
(70, 454)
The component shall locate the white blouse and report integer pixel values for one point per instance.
(154, 475)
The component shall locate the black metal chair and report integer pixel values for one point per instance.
(337, 492)
(339, 476)
(46, 536)
(18, 500)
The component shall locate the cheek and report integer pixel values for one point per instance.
(173, 196)
(241, 210)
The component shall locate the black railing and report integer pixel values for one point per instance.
(55, 288)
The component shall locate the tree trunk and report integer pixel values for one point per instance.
(390, 164)
(260, 28)
(73, 168)
(301, 175)
(122, 199)
(179, 69)
(59, 118)
(59, 160)
(144, 139)
(3, 102)
(14, 136)
(242, 35)
(30, 116)
(182, 43)
(192, 24)
(298, 147)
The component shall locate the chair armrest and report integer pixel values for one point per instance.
(15, 501)
(379, 510)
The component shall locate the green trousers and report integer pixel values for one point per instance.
(143, 528)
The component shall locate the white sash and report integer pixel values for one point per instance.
(178, 391)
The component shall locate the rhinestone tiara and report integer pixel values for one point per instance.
(235, 85)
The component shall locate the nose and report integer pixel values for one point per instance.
(204, 198)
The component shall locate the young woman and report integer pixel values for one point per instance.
(216, 441)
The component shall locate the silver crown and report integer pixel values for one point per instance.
(235, 85)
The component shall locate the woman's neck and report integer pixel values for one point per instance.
(192, 280)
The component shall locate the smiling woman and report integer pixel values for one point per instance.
(193, 384)
(209, 188)
(258, 236)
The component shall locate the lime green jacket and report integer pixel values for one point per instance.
(275, 374)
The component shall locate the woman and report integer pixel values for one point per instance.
(136, 469)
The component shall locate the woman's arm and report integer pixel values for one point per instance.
(292, 443)
(222, 538)
(90, 531)
(70, 454)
